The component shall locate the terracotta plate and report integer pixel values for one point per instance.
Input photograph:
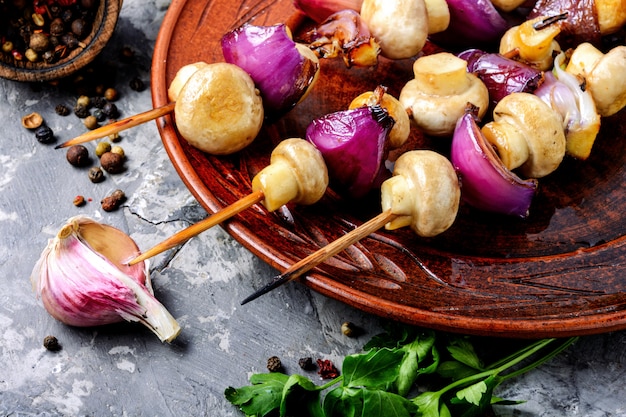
(560, 272)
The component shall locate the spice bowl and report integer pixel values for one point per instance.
(66, 60)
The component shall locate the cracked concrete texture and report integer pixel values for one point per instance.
(123, 370)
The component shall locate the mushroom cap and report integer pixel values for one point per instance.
(181, 78)
(541, 126)
(400, 27)
(436, 115)
(308, 167)
(219, 110)
(607, 82)
(434, 188)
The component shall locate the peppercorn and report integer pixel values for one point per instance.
(32, 120)
(96, 175)
(98, 102)
(113, 201)
(136, 84)
(110, 94)
(348, 329)
(62, 110)
(79, 201)
(115, 137)
(112, 163)
(79, 28)
(306, 363)
(110, 110)
(118, 150)
(44, 134)
(51, 343)
(91, 122)
(69, 39)
(102, 148)
(81, 111)
(99, 115)
(57, 28)
(327, 369)
(127, 54)
(83, 101)
(274, 364)
(77, 155)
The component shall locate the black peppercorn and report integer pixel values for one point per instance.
(113, 201)
(69, 39)
(98, 102)
(306, 363)
(62, 110)
(136, 84)
(51, 343)
(96, 175)
(79, 28)
(57, 27)
(110, 110)
(81, 111)
(77, 155)
(99, 115)
(44, 134)
(274, 364)
(113, 163)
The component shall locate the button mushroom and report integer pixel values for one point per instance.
(527, 134)
(296, 174)
(604, 75)
(219, 110)
(424, 193)
(400, 27)
(439, 93)
(181, 78)
(438, 14)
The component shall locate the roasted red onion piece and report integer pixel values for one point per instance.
(319, 10)
(472, 23)
(501, 75)
(485, 183)
(282, 70)
(344, 34)
(353, 144)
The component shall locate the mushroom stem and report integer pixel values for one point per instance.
(197, 228)
(319, 256)
(120, 125)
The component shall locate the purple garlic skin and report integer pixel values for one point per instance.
(82, 280)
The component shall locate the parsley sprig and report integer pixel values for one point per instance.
(387, 380)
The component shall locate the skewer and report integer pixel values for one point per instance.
(120, 125)
(332, 249)
(197, 228)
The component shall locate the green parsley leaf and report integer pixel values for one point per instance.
(262, 397)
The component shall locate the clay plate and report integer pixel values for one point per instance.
(560, 272)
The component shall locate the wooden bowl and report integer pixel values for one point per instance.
(103, 27)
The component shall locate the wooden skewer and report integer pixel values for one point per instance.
(120, 125)
(197, 228)
(316, 258)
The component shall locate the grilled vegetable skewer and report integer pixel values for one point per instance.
(296, 174)
(424, 194)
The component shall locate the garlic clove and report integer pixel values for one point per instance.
(82, 280)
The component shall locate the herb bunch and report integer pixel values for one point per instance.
(388, 380)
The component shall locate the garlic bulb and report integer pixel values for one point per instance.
(82, 279)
